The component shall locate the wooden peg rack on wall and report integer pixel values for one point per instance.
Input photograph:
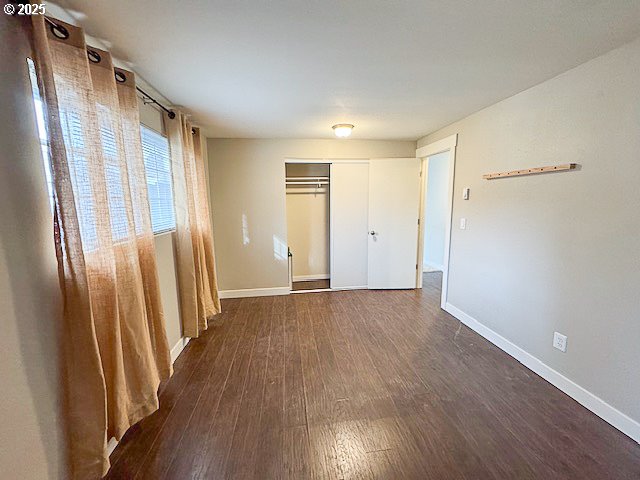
(531, 171)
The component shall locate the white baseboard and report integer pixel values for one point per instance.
(254, 292)
(295, 292)
(609, 414)
(337, 289)
(307, 278)
(178, 347)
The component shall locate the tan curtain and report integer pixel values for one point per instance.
(194, 241)
(116, 348)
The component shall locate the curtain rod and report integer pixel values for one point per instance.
(64, 34)
(170, 113)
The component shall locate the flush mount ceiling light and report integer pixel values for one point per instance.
(342, 130)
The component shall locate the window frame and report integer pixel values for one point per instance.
(152, 130)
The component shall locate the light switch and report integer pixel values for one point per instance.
(465, 193)
(463, 223)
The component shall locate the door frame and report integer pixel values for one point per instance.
(447, 144)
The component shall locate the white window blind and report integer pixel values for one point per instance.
(157, 162)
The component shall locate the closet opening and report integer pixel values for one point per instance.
(308, 226)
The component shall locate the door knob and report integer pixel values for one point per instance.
(373, 232)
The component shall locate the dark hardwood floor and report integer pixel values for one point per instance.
(362, 385)
(311, 285)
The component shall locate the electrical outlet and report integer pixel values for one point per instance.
(560, 341)
(463, 224)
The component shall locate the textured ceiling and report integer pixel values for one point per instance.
(395, 69)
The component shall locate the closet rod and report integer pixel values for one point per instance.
(306, 183)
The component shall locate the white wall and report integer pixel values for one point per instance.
(308, 232)
(561, 251)
(168, 287)
(249, 206)
(31, 437)
(436, 206)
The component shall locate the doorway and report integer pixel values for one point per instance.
(435, 212)
(308, 226)
(436, 209)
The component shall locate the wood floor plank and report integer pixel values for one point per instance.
(223, 425)
(294, 407)
(369, 404)
(323, 454)
(427, 434)
(296, 455)
(186, 453)
(349, 429)
(295, 449)
(240, 458)
(459, 421)
(140, 442)
(269, 460)
(362, 385)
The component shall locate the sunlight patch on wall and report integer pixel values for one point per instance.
(245, 230)
(279, 248)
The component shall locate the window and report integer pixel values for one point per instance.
(157, 163)
(155, 149)
(72, 131)
(42, 130)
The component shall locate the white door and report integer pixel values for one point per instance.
(349, 209)
(394, 200)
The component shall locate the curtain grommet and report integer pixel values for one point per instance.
(59, 31)
(120, 77)
(94, 56)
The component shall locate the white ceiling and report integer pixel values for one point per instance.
(396, 69)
